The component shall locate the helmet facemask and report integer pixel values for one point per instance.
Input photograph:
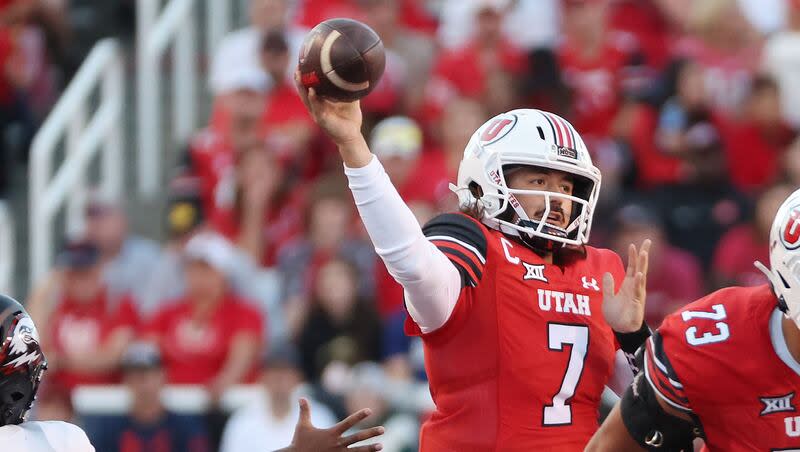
(512, 218)
(17, 394)
(22, 366)
(528, 138)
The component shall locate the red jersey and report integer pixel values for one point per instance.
(595, 83)
(8, 53)
(464, 73)
(645, 24)
(284, 108)
(735, 254)
(753, 155)
(724, 359)
(81, 329)
(212, 160)
(283, 222)
(727, 75)
(195, 350)
(522, 361)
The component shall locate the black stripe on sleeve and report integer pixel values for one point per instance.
(661, 355)
(463, 241)
(459, 227)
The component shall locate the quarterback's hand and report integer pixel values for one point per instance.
(308, 438)
(624, 310)
(340, 120)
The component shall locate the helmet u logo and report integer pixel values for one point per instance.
(492, 132)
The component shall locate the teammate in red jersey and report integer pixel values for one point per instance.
(726, 367)
(516, 313)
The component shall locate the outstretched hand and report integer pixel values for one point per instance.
(624, 310)
(308, 438)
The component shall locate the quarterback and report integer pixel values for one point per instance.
(725, 368)
(518, 316)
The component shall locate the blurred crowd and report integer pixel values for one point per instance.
(35, 40)
(690, 108)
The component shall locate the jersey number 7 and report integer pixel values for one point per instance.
(558, 334)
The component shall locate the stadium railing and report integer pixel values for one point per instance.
(7, 249)
(182, 399)
(85, 137)
(157, 30)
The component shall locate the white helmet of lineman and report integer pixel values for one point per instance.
(784, 257)
(531, 138)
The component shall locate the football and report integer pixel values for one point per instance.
(342, 59)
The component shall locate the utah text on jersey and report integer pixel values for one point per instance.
(552, 300)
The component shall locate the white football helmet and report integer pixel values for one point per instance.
(784, 257)
(532, 138)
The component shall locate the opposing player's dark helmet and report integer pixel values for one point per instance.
(22, 363)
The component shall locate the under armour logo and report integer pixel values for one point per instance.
(654, 439)
(780, 404)
(534, 272)
(590, 284)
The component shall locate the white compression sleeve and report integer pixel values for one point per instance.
(431, 282)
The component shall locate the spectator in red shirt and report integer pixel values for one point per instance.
(648, 26)
(744, 244)
(208, 337)
(675, 277)
(409, 58)
(258, 207)
(287, 126)
(312, 12)
(88, 331)
(727, 48)
(436, 167)
(485, 69)
(235, 125)
(755, 143)
(439, 165)
(592, 64)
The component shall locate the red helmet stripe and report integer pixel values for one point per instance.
(572, 143)
(552, 119)
(567, 133)
(552, 127)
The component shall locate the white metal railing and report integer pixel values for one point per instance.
(85, 138)
(157, 30)
(7, 248)
(184, 399)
